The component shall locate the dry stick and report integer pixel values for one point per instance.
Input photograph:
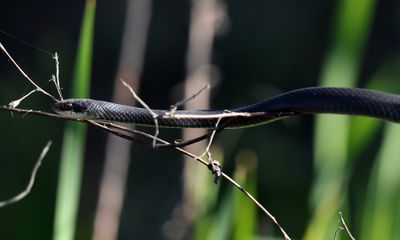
(220, 128)
(205, 18)
(130, 130)
(175, 106)
(56, 78)
(207, 151)
(15, 103)
(199, 159)
(338, 230)
(153, 114)
(57, 116)
(181, 143)
(286, 236)
(171, 113)
(28, 188)
(213, 165)
(345, 226)
(111, 128)
(37, 112)
(155, 139)
(25, 75)
(216, 115)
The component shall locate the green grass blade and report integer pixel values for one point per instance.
(236, 216)
(222, 221)
(363, 129)
(205, 200)
(332, 132)
(381, 208)
(245, 212)
(383, 192)
(74, 137)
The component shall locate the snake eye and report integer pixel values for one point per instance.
(68, 107)
(60, 107)
(71, 108)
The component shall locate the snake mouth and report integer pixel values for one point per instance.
(61, 106)
(70, 108)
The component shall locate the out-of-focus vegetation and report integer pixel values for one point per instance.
(304, 170)
(72, 154)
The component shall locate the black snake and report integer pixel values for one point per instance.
(349, 101)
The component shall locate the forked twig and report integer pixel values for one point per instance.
(25, 75)
(153, 114)
(132, 135)
(337, 231)
(56, 78)
(15, 103)
(111, 128)
(258, 204)
(343, 227)
(175, 106)
(213, 165)
(28, 188)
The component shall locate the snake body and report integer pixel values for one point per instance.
(313, 100)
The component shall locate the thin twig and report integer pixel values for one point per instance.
(25, 75)
(175, 106)
(345, 226)
(153, 114)
(37, 112)
(122, 132)
(28, 188)
(129, 137)
(15, 103)
(56, 78)
(197, 158)
(220, 127)
(139, 133)
(337, 231)
(237, 185)
(216, 115)
(207, 151)
(213, 165)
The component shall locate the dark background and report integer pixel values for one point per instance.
(268, 47)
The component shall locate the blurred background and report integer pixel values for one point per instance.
(304, 170)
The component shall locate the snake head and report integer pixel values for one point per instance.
(73, 108)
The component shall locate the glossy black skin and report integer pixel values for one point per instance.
(70, 105)
(349, 101)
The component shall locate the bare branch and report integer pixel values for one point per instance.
(216, 116)
(175, 106)
(15, 103)
(338, 230)
(37, 112)
(345, 226)
(28, 188)
(56, 78)
(197, 158)
(237, 185)
(153, 114)
(213, 165)
(133, 135)
(25, 75)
